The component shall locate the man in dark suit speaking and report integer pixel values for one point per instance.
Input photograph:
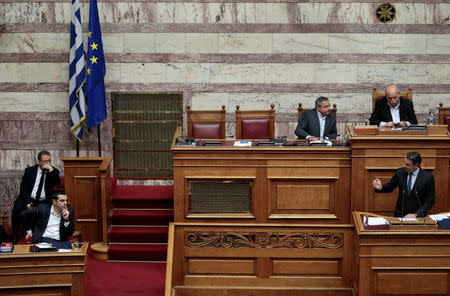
(392, 110)
(52, 222)
(318, 123)
(38, 183)
(415, 188)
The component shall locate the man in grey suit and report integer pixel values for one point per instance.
(318, 123)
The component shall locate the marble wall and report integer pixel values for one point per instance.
(247, 52)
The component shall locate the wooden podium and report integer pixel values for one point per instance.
(87, 184)
(379, 156)
(401, 261)
(43, 273)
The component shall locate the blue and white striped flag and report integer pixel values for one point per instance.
(77, 104)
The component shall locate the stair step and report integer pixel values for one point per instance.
(141, 217)
(138, 234)
(126, 196)
(137, 252)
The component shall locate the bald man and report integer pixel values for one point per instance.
(392, 110)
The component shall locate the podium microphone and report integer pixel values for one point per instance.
(403, 202)
(420, 206)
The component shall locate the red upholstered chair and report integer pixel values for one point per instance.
(444, 115)
(206, 124)
(379, 94)
(300, 110)
(255, 124)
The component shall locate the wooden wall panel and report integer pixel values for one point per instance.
(417, 282)
(305, 267)
(220, 266)
(302, 197)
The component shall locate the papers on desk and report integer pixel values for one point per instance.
(376, 221)
(439, 217)
(408, 219)
(44, 245)
(242, 143)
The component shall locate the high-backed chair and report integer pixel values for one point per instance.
(444, 115)
(255, 124)
(379, 94)
(206, 124)
(301, 110)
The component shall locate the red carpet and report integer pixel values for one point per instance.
(124, 279)
(139, 222)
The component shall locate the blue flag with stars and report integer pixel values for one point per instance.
(96, 70)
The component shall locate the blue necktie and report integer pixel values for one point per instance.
(409, 185)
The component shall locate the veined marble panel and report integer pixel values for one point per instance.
(42, 72)
(438, 44)
(335, 73)
(170, 43)
(202, 43)
(300, 43)
(347, 103)
(235, 43)
(8, 72)
(289, 73)
(405, 44)
(237, 73)
(356, 43)
(215, 12)
(245, 43)
(34, 102)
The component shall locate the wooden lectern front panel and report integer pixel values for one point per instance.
(416, 282)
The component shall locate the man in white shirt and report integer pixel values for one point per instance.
(393, 110)
(37, 185)
(52, 222)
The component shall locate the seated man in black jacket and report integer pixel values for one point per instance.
(393, 110)
(52, 222)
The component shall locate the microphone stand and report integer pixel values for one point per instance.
(420, 206)
(403, 202)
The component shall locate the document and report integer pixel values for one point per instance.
(242, 143)
(439, 217)
(374, 221)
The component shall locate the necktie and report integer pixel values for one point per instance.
(409, 185)
(39, 190)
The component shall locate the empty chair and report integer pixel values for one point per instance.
(255, 124)
(206, 124)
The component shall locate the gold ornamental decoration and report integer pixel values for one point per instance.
(385, 12)
(298, 240)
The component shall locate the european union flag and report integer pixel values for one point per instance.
(96, 70)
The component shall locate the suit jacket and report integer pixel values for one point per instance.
(309, 125)
(382, 112)
(29, 178)
(421, 199)
(39, 217)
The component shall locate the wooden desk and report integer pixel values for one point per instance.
(393, 262)
(288, 184)
(43, 273)
(379, 156)
(259, 259)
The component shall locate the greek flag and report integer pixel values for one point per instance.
(77, 104)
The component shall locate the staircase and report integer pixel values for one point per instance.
(139, 222)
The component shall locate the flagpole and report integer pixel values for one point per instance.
(98, 138)
(78, 147)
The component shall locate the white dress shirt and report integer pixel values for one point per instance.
(52, 230)
(322, 120)
(413, 178)
(395, 113)
(36, 185)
